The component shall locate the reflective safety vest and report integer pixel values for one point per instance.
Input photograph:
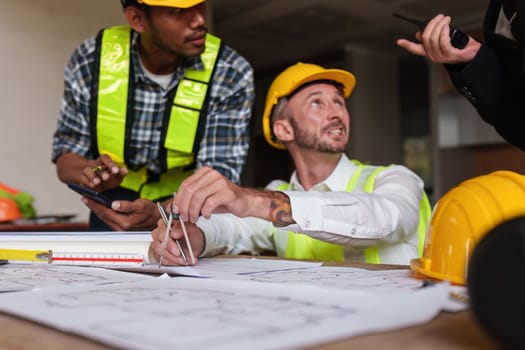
(112, 114)
(301, 246)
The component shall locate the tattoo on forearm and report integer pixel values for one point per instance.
(280, 209)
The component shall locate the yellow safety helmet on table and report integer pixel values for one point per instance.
(462, 217)
(291, 79)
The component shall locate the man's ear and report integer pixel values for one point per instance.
(136, 18)
(283, 130)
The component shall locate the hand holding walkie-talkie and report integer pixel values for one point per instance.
(458, 39)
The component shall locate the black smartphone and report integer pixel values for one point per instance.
(88, 192)
(458, 39)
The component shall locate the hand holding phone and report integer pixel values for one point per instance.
(458, 39)
(90, 193)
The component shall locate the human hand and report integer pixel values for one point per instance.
(139, 215)
(172, 255)
(103, 174)
(207, 191)
(434, 43)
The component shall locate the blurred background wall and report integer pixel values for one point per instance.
(403, 109)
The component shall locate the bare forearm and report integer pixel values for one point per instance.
(273, 206)
(70, 167)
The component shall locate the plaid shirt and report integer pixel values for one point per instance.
(224, 145)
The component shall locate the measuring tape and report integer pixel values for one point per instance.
(97, 258)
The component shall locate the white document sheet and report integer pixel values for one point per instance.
(357, 279)
(22, 277)
(310, 273)
(221, 267)
(345, 278)
(214, 314)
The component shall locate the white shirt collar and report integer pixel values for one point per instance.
(337, 181)
(503, 25)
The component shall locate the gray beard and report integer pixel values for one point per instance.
(306, 140)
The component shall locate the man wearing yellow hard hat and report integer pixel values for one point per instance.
(147, 103)
(332, 208)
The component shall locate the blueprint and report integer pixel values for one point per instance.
(22, 277)
(215, 314)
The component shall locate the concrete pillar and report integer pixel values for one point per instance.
(375, 127)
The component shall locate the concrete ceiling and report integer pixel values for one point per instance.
(273, 33)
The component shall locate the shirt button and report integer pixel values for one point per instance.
(307, 224)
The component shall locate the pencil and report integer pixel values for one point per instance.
(165, 240)
(187, 239)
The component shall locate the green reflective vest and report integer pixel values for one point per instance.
(301, 246)
(113, 114)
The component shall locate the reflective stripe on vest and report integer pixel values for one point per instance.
(301, 246)
(112, 121)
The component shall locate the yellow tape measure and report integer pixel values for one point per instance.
(26, 255)
(65, 258)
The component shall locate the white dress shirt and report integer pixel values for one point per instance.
(503, 25)
(387, 216)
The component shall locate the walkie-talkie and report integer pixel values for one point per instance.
(458, 39)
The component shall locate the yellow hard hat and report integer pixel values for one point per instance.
(462, 217)
(292, 78)
(171, 3)
(9, 210)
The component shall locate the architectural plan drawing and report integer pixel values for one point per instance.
(221, 267)
(310, 273)
(214, 314)
(357, 279)
(22, 277)
(346, 278)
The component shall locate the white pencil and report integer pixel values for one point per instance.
(187, 239)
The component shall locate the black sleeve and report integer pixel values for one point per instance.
(498, 96)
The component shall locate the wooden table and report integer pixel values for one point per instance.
(447, 331)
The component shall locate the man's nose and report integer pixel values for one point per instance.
(198, 16)
(336, 111)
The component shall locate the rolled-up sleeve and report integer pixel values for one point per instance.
(228, 234)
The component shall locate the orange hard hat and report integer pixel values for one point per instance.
(462, 217)
(9, 210)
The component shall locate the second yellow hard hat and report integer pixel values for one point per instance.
(462, 217)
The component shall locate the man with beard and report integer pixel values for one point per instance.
(332, 208)
(147, 103)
